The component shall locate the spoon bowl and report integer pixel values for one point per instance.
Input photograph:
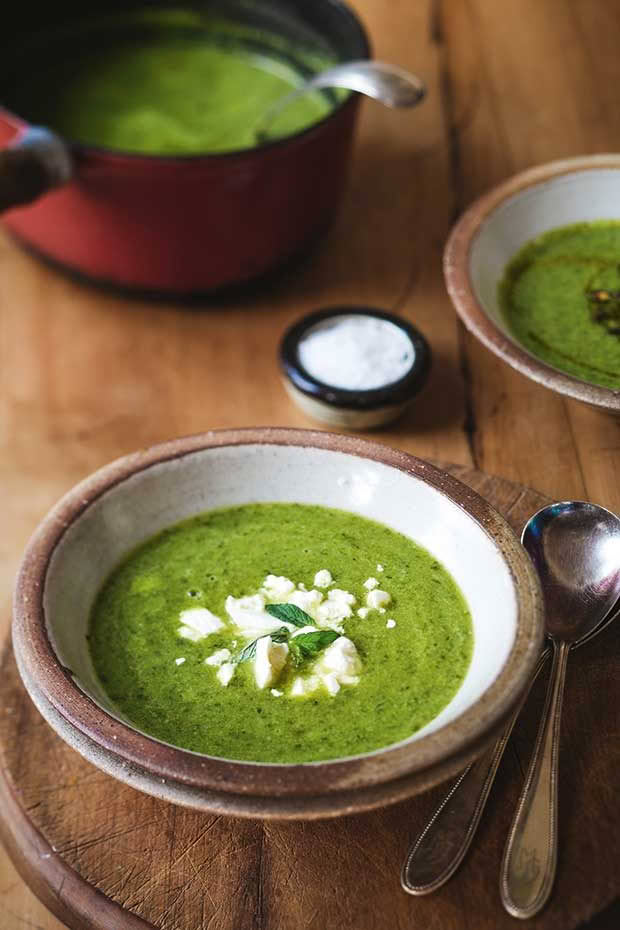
(575, 547)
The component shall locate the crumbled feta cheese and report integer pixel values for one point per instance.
(334, 667)
(331, 683)
(269, 661)
(330, 614)
(198, 622)
(335, 625)
(302, 686)
(382, 610)
(377, 598)
(218, 657)
(341, 657)
(307, 600)
(277, 587)
(391, 624)
(363, 612)
(336, 608)
(379, 567)
(338, 665)
(303, 629)
(371, 583)
(179, 661)
(250, 616)
(225, 672)
(252, 602)
(187, 633)
(323, 579)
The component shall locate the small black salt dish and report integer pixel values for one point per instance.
(353, 367)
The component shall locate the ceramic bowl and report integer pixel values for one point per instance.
(344, 408)
(108, 514)
(497, 225)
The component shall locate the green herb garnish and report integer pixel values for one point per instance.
(290, 613)
(303, 646)
(249, 651)
(605, 309)
(306, 645)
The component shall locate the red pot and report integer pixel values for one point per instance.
(186, 224)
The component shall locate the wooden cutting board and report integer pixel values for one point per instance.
(101, 855)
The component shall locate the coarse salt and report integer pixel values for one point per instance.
(356, 352)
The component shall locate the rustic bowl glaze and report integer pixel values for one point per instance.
(108, 514)
(497, 225)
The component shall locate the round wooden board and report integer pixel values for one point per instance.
(101, 855)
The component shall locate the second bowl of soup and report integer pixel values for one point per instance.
(532, 268)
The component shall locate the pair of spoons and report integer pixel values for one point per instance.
(575, 547)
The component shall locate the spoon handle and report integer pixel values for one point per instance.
(36, 162)
(530, 856)
(391, 85)
(443, 844)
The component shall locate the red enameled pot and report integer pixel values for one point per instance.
(187, 224)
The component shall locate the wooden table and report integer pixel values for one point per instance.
(87, 376)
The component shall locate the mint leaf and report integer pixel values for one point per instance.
(290, 613)
(307, 645)
(246, 653)
(249, 651)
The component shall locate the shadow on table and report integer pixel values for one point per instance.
(440, 403)
(241, 295)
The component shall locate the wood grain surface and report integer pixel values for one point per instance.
(85, 377)
(102, 855)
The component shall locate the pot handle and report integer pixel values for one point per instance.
(33, 164)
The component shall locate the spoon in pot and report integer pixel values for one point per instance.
(443, 844)
(387, 83)
(575, 547)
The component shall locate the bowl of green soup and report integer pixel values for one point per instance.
(533, 269)
(276, 623)
(129, 147)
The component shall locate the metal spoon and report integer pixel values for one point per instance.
(387, 83)
(575, 547)
(442, 845)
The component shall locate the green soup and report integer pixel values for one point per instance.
(168, 89)
(561, 299)
(413, 653)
